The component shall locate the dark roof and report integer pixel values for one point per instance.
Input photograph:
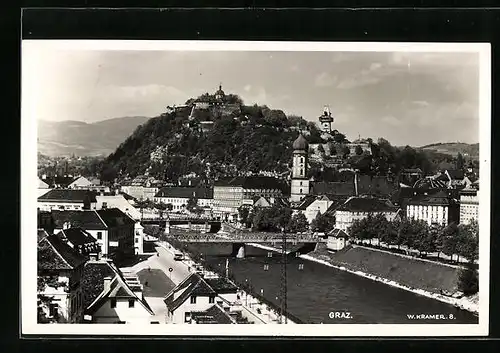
(337, 233)
(300, 143)
(114, 217)
(412, 170)
(72, 195)
(77, 236)
(437, 198)
(194, 285)
(367, 204)
(54, 254)
(88, 220)
(42, 233)
(456, 174)
(337, 202)
(252, 182)
(221, 285)
(335, 188)
(92, 281)
(214, 315)
(186, 192)
(62, 181)
(308, 200)
(127, 196)
(375, 185)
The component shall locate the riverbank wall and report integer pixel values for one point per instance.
(420, 277)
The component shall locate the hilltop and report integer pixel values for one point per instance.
(454, 148)
(212, 138)
(79, 138)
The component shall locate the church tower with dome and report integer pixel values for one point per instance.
(300, 186)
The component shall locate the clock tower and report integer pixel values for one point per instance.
(300, 182)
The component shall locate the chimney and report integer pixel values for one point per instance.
(189, 182)
(102, 193)
(44, 176)
(107, 282)
(117, 192)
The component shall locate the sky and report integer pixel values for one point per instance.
(413, 98)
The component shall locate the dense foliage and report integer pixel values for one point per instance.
(452, 240)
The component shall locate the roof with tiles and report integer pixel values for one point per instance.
(118, 288)
(194, 285)
(54, 254)
(367, 204)
(68, 195)
(92, 281)
(213, 315)
(335, 188)
(114, 217)
(88, 220)
(77, 236)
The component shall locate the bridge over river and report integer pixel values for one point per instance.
(239, 240)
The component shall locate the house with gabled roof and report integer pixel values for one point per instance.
(312, 205)
(80, 183)
(196, 294)
(120, 301)
(59, 270)
(337, 239)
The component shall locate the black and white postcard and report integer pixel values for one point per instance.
(211, 188)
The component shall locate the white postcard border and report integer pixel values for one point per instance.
(29, 191)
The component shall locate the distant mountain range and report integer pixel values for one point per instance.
(453, 148)
(69, 137)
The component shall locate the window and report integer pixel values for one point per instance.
(211, 299)
(300, 183)
(193, 299)
(99, 235)
(113, 303)
(187, 317)
(131, 303)
(136, 240)
(301, 191)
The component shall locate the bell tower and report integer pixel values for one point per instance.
(326, 120)
(300, 183)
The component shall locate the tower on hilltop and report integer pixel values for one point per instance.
(220, 95)
(326, 120)
(300, 186)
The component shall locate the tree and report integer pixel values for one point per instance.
(468, 280)
(192, 204)
(271, 219)
(468, 241)
(346, 151)
(450, 240)
(359, 150)
(161, 207)
(333, 150)
(298, 223)
(244, 213)
(323, 222)
(321, 149)
(460, 162)
(339, 138)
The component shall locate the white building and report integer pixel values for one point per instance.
(435, 208)
(178, 196)
(197, 294)
(337, 240)
(80, 183)
(469, 206)
(104, 201)
(357, 208)
(311, 206)
(121, 301)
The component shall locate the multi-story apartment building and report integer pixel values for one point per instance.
(438, 207)
(469, 206)
(229, 194)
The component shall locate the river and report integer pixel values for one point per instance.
(316, 292)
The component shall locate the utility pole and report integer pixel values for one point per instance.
(283, 304)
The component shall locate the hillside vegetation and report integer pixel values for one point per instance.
(249, 139)
(454, 148)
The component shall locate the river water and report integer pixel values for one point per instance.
(316, 292)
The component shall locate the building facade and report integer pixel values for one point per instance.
(357, 208)
(67, 199)
(469, 206)
(178, 196)
(230, 194)
(434, 208)
(300, 185)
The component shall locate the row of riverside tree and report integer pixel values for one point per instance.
(452, 240)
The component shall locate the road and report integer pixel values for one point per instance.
(165, 261)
